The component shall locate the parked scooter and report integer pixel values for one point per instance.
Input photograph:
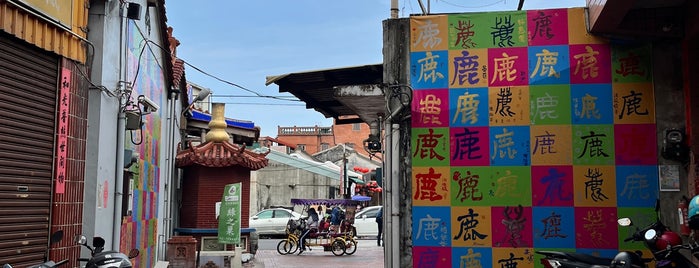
(623, 259)
(55, 238)
(105, 259)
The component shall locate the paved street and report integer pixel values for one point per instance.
(367, 255)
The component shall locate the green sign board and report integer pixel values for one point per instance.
(229, 219)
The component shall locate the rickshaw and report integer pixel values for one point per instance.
(339, 241)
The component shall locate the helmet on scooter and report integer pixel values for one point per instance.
(693, 206)
(692, 211)
(627, 259)
(667, 239)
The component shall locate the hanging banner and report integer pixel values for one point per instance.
(229, 220)
(62, 138)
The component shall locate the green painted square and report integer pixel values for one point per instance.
(430, 147)
(593, 145)
(550, 105)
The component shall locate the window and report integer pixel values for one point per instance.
(300, 147)
(282, 214)
(356, 127)
(267, 214)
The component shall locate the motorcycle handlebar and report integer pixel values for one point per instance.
(61, 263)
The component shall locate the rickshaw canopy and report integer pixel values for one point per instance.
(324, 202)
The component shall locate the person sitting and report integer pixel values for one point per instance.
(311, 224)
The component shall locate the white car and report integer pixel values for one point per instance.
(365, 222)
(272, 221)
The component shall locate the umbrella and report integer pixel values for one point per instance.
(361, 198)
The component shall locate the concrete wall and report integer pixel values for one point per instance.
(270, 186)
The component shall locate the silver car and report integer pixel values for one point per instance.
(365, 222)
(272, 221)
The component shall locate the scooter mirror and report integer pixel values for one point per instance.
(56, 237)
(650, 235)
(81, 240)
(98, 242)
(133, 253)
(624, 221)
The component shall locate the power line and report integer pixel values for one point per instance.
(472, 7)
(149, 42)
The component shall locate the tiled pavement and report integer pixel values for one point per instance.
(367, 255)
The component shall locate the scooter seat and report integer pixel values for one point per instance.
(579, 257)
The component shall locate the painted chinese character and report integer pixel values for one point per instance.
(468, 186)
(464, 34)
(552, 226)
(587, 63)
(592, 186)
(545, 143)
(428, 68)
(542, 26)
(511, 262)
(630, 66)
(593, 145)
(470, 260)
(503, 145)
(427, 227)
(554, 188)
(593, 223)
(506, 186)
(429, 35)
(504, 99)
(427, 186)
(514, 225)
(589, 108)
(468, 227)
(426, 145)
(467, 108)
(466, 68)
(466, 145)
(632, 104)
(504, 68)
(430, 110)
(502, 31)
(545, 61)
(545, 107)
(636, 186)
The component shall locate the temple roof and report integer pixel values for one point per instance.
(221, 154)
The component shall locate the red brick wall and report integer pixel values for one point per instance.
(342, 134)
(67, 208)
(203, 187)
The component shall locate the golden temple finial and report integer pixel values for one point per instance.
(217, 125)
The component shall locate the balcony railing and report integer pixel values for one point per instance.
(308, 131)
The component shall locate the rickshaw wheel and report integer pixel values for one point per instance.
(338, 247)
(351, 247)
(286, 246)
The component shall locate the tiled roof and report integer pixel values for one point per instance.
(221, 154)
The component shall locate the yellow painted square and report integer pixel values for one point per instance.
(551, 145)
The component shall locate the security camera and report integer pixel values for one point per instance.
(148, 105)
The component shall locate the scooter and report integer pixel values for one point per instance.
(55, 238)
(105, 259)
(623, 259)
(665, 245)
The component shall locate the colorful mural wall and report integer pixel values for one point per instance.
(139, 230)
(527, 134)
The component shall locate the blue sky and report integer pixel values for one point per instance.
(243, 42)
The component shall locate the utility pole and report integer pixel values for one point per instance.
(345, 178)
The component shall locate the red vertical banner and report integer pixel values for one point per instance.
(62, 129)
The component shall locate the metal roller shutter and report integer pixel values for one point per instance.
(28, 85)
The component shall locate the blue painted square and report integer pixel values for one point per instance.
(554, 227)
(429, 69)
(591, 104)
(431, 226)
(636, 186)
(468, 107)
(549, 65)
(471, 257)
(510, 146)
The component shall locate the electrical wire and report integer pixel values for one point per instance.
(223, 80)
(472, 7)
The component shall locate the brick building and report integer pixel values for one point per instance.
(315, 139)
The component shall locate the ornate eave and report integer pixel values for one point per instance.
(221, 154)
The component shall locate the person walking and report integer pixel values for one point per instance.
(379, 222)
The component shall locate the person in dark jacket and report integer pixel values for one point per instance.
(379, 222)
